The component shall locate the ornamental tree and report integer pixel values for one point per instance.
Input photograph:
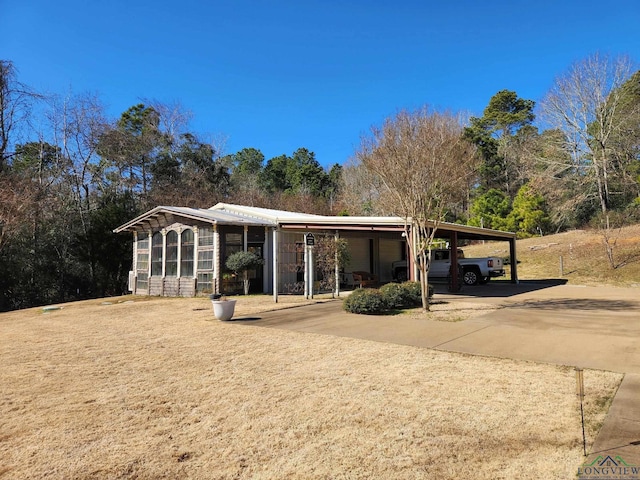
(425, 166)
(241, 263)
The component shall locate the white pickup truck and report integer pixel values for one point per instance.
(474, 270)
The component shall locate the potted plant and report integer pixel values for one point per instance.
(223, 308)
(241, 263)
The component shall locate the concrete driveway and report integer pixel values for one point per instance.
(548, 322)
(590, 327)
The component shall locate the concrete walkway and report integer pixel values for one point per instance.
(588, 327)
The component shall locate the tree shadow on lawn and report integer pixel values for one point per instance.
(577, 304)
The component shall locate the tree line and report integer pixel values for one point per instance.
(69, 174)
(571, 161)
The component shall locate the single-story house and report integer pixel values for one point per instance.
(180, 251)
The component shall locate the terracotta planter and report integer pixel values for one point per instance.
(223, 309)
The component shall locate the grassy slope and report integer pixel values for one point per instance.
(583, 257)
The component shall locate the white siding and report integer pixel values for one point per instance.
(390, 251)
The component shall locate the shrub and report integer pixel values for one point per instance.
(414, 292)
(365, 300)
(397, 295)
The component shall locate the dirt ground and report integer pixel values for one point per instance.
(157, 388)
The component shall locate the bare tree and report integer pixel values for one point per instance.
(424, 164)
(583, 104)
(76, 123)
(15, 105)
(360, 194)
(588, 105)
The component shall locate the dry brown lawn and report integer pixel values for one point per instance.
(583, 257)
(157, 388)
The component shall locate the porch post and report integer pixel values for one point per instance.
(337, 272)
(217, 274)
(275, 264)
(150, 236)
(195, 252)
(164, 259)
(513, 261)
(307, 269)
(455, 280)
(178, 272)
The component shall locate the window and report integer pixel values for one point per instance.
(205, 282)
(143, 281)
(233, 243)
(143, 241)
(186, 253)
(156, 254)
(142, 257)
(205, 259)
(142, 262)
(205, 237)
(171, 263)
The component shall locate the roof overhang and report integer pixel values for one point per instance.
(162, 217)
(228, 214)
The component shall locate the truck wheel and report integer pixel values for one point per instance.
(471, 277)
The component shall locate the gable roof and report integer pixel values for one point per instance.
(163, 216)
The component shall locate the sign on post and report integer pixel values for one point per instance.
(310, 239)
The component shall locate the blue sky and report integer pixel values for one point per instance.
(316, 74)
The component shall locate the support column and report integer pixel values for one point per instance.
(513, 261)
(195, 253)
(455, 280)
(217, 275)
(309, 269)
(164, 260)
(178, 272)
(337, 272)
(306, 270)
(150, 237)
(164, 255)
(274, 250)
(245, 233)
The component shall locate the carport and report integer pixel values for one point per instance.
(350, 226)
(454, 233)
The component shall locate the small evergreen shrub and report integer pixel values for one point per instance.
(414, 292)
(397, 295)
(366, 301)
